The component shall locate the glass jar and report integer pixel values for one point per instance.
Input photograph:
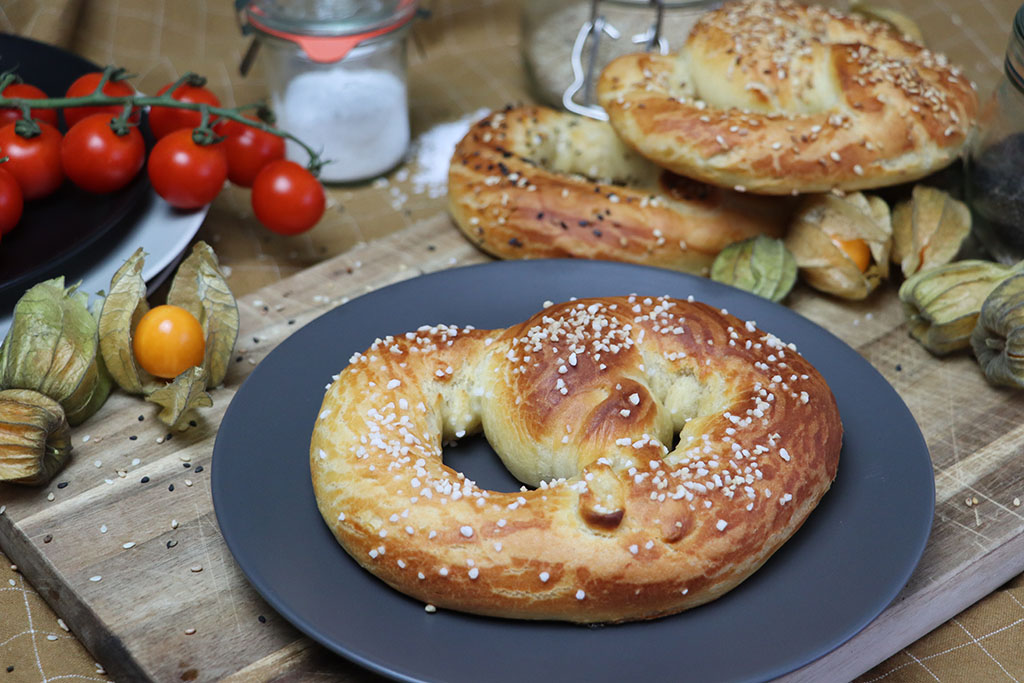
(551, 30)
(336, 71)
(995, 162)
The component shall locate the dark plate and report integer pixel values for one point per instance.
(64, 225)
(855, 552)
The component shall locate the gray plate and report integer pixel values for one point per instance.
(853, 555)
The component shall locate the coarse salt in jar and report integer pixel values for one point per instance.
(336, 71)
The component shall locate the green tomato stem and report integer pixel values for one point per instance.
(129, 102)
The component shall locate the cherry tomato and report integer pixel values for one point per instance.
(86, 85)
(168, 341)
(99, 160)
(11, 202)
(34, 162)
(164, 120)
(248, 150)
(27, 92)
(287, 198)
(185, 174)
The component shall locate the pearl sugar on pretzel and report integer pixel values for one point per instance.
(778, 97)
(672, 449)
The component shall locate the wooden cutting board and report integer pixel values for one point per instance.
(130, 482)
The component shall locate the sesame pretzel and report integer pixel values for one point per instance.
(531, 182)
(583, 401)
(774, 97)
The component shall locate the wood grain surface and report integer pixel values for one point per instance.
(179, 575)
(175, 606)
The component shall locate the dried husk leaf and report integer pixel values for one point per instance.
(181, 397)
(821, 263)
(899, 21)
(125, 304)
(942, 304)
(35, 438)
(52, 347)
(928, 229)
(998, 339)
(761, 265)
(200, 288)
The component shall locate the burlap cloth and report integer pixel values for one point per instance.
(160, 39)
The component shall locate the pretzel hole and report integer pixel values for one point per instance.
(475, 459)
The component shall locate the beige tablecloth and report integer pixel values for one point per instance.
(160, 39)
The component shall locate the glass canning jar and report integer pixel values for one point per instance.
(551, 29)
(995, 161)
(336, 71)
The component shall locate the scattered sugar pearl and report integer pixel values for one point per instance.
(190, 631)
(721, 524)
(580, 594)
(51, 637)
(544, 576)
(103, 528)
(129, 545)
(466, 531)
(429, 608)
(474, 573)
(96, 579)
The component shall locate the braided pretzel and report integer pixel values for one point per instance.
(581, 401)
(777, 97)
(530, 182)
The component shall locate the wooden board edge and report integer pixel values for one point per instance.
(937, 604)
(108, 649)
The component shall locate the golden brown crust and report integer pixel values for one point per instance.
(778, 97)
(583, 400)
(530, 182)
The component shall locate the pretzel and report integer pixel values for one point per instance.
(530, 182)
(775, 97)
(583, 402)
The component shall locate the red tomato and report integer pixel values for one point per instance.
(287, 198)
(34, 162)
(185, 174)
(86, 85)
(11, 202)
(164, 120)
(248, 150)
(27, 92)
(99, 160)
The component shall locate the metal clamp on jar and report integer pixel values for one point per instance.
(566, 44)
(336, 71)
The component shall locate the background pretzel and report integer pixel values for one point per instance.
(584, 401)
(777, 97)
(530, 182)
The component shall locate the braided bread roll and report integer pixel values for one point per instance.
(531, 182)
(583, 401)
(776, 97)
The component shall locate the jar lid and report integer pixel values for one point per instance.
(327, 29)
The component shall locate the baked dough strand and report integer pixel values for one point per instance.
(777, 97)
(672, 449)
